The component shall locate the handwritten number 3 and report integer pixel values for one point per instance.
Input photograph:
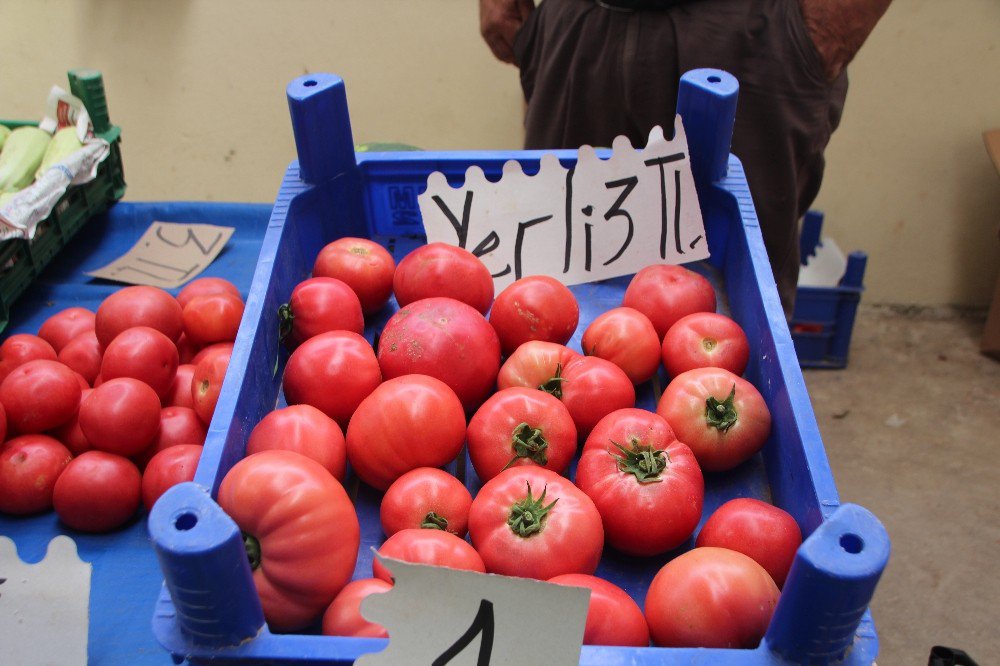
(617, 211)
(482, 624)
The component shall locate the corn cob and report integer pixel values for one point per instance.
(4, 133)
(63, 144)
(22, 153)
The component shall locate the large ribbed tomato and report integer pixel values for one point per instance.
(300, 529)
(531, 522)
(646, 484)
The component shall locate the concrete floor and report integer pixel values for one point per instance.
(912, 431)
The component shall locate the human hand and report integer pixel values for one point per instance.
(838, 28)
(499, 21)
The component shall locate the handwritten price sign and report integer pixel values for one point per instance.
(601, 219)
(168, 254)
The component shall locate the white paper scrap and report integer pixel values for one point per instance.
(444, 616)
(44, 607)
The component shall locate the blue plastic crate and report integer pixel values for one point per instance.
(823, 317)
(126, 578)
(209, 609)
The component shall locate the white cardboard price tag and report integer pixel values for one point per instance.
(444, 616)
(602, 219)
(44, 607)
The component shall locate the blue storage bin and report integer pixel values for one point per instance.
(823, 317)
(209, 611)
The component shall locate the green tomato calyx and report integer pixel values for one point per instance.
(721, 415)
(528, 442)
(644, 462)
(528, 515)
(434, 521)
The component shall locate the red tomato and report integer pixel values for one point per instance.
(666, 293)
(121, 416)
(408, 422)
(65, 325)
(186, 350)
(591, 388)
(3, 424)
(627, 338)
(757, 529)
(646, 484)
(363, 265)
(521, 426)
(206, 383)
(533, 523)
(142, 353)
(138, 306)
(178, 426)
(210, 350)
(166, 469)
(613, 617)
(212, 318)
(722, 417)
(204, 286)
(705, 340)
(70, 434)
(428, 498)
(179, 394)
(29, 467)
(319, 305)
(343, 616)
(710, 597)
(445, 339)
(20, 348)
(537, 307)
(433, 547)
(535, 364)
(300, 529)
(39, 395)
(342, 359)
(97, 492)
(306, 430)
(83, 354)
(442, 270)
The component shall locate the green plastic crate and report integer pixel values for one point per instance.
(21, 261)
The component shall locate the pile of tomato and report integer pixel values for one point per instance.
(103, 411)
(457, 372)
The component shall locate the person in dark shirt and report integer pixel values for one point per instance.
(595, 69)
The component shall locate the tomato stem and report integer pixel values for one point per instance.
(433, 521)
(553, 386)
(252, 546)
(526, 517)
(642, 461)
(528, 442)
(285, 319)
(721, 415)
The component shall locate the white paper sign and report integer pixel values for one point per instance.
(44, 607)
(602, 219)
(444, 616)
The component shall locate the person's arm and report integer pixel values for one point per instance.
(839, 27)
(499, 21)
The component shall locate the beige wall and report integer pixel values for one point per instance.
(198, 88)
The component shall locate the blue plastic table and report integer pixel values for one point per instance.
(126, 578)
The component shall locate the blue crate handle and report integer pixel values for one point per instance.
(208, 575)
(840, 563)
